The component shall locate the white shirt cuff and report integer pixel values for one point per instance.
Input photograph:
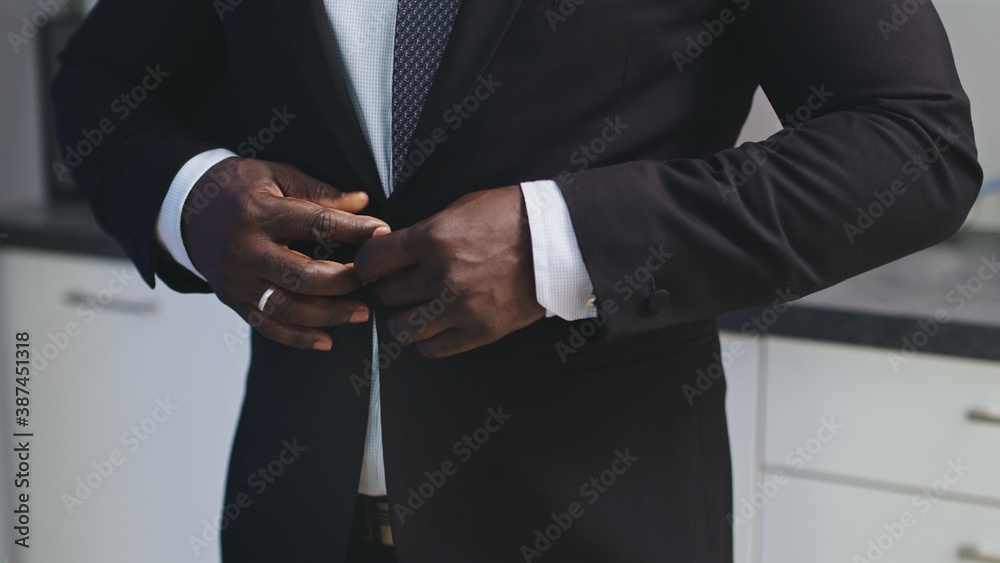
(562, 284)
(168, 224)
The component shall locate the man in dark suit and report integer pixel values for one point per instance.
(509, 427)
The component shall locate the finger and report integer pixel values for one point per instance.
(416, 324)
(294, 183)
(295, 219)
(387, 254)
(301, 310)
(294, 336)
(378, 233)
(298, 273)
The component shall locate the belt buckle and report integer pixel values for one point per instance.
(377, 520)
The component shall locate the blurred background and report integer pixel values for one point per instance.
(864, 420)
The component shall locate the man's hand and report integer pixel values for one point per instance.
(239, 241)
(464, 277)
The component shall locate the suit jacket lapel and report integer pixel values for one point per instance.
(479, 27)
(307, 25)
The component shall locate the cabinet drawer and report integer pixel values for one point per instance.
(137, 401)
(900, 426)
(831, 523)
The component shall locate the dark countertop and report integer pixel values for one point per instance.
(64, 225)
(878, 308)
(950, 290)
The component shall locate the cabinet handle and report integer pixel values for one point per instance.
(970, 553)
(117, 304)
(983, 415)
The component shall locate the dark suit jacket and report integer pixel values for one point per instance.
(604, 451)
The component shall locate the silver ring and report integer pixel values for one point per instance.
(267, 295)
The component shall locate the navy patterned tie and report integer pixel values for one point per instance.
(422, 31)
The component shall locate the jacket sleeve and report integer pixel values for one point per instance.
(876, 160)
(132, 99)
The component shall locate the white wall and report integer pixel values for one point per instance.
(972, 27)
(21, 167)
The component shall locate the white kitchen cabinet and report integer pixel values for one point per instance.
(150, 379)
(98, 373)
(900, 425)
(820, 522)
(741, 411)
(854, 441)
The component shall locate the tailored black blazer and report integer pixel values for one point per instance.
(565, 441)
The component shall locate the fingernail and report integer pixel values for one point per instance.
(359, 316)
(323, 346)
(380, 231)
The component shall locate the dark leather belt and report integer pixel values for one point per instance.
(371, 520)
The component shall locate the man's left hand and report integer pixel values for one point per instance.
(463, 277)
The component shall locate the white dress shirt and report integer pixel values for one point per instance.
(365, 33)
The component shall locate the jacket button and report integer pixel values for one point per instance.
(659, 300)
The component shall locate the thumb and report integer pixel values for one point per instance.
(294, 183)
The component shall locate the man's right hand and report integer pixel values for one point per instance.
(239, 240)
